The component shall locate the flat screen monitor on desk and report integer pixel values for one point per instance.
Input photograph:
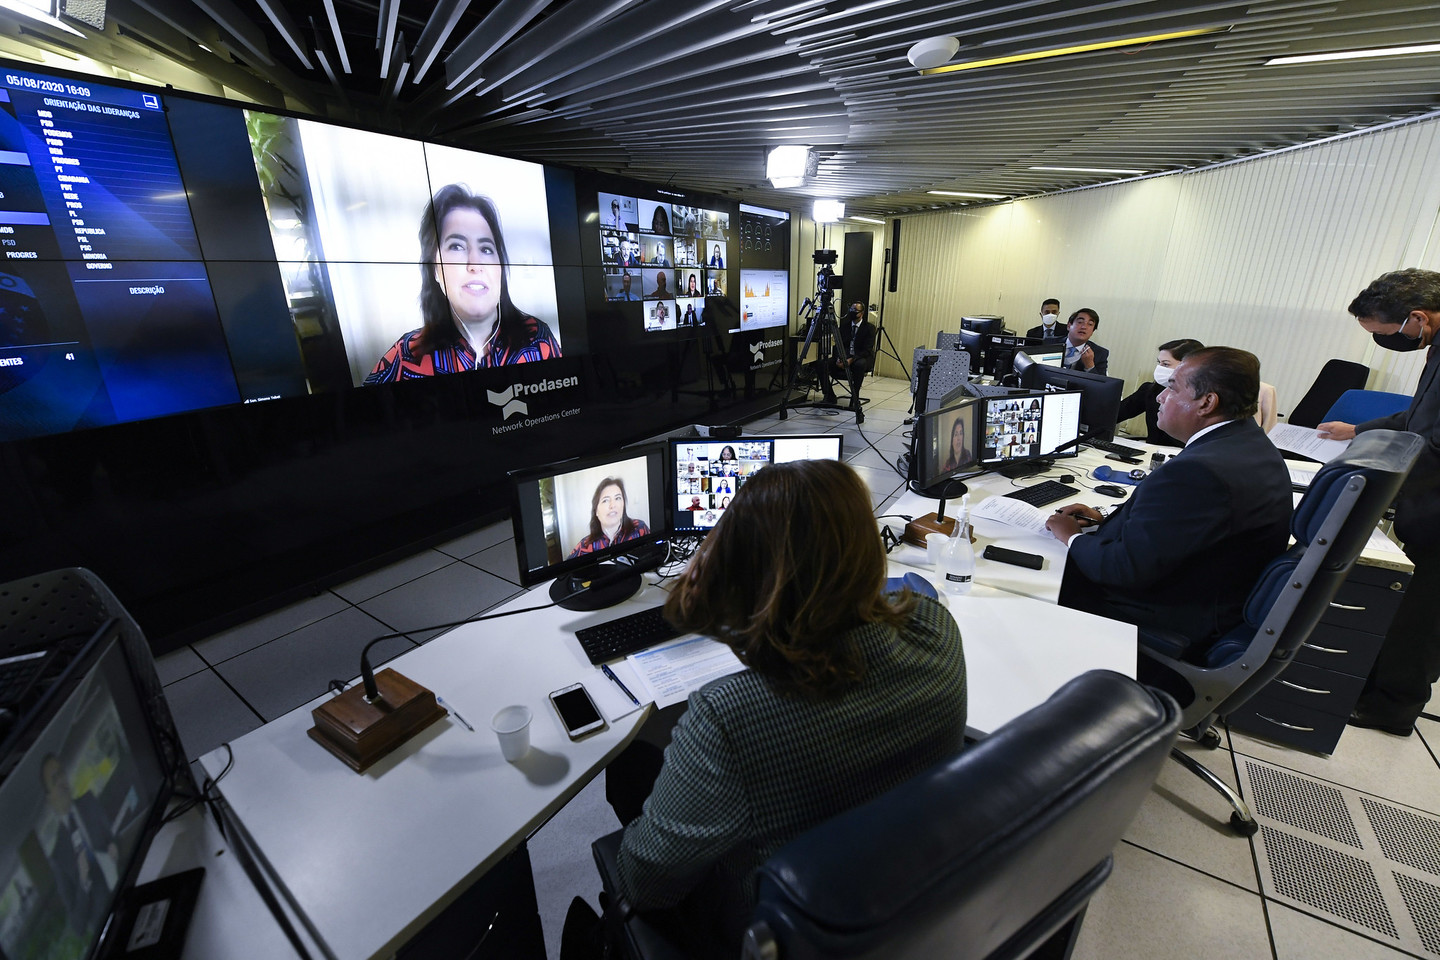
(1000, 353)
(708, 473)
(86, 782)
(975, 343)
(1100, 405)
(1025, 428)
(946, 443)
(572, 518)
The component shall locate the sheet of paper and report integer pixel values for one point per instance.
(671, 672)
(1307, 442)
(1012, 512)
(1301, 476)
(1379, 541)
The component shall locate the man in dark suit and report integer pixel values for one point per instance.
(1182, 554)
(854, 354)
(1050, 327)
(1401, 310)
(1080, 353)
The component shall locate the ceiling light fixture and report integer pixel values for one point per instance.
(931, 52)
(974, 196)
(39, 10)
(867, 219)
(1355, 54)
(789, 164)
(828, 211)
(1086, 170)
(1066, 51)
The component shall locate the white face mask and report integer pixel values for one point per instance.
(1163, 375)
(1048, 319)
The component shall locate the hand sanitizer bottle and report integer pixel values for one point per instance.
(957, 562)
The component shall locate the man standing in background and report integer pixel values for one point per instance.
(1401, 311)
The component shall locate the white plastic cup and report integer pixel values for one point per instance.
(512, 727)
(934, 544)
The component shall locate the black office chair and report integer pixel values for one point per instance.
(992, 854)
(1335, 378)
(1331, 525)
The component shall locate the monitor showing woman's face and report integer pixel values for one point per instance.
(469, 270)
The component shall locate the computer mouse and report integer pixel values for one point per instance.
(1110, 490)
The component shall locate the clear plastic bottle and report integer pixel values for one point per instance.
(957, 561)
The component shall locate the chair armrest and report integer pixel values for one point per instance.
(625, 928)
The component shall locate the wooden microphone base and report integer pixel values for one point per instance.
(360, 732)
(916, 529)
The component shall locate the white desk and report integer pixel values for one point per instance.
(1042, 584)
(370, 858)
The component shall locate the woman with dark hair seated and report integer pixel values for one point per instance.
(849, 692)
(469, 319)
(1146, 398)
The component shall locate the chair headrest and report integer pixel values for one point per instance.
(983, 842)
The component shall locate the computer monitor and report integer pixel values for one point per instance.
(1000, 354)
(708, 473)
(975, 343)
(1100, 404)
(571, 518)
(946, 443)
(983, 324)
(1024, 428)
(88, 773)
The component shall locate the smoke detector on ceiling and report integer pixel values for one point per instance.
(932, 52)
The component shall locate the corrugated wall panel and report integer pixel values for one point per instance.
(1264, 255)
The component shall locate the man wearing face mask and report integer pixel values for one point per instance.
(1050, 327)
(1146, 398)
(1401, 311)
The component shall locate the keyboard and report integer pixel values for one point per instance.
(625, 635)
(1046, 492)
(1111, 447)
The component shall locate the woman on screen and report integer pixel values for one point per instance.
(727, 452)
(959, 454)
(469, 319)
(808, 730)
(609, 522)
(716, 260)
(693, 289)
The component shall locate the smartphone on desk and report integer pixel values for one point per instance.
(576, 710)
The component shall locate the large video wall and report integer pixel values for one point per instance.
(322, 344)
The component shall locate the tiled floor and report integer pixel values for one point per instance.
(1183, 885)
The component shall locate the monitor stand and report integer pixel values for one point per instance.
(613, 583)
(937, 522)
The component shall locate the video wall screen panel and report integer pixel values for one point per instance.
(217, 378)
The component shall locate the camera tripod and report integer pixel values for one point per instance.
(819, 315)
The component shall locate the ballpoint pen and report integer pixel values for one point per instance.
(441, 701)
(616, 680)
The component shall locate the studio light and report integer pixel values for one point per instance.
(829, 211)
(788, 165)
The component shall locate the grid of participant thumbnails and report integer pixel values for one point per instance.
(708, 475)
(665, 257)
(1012, 428)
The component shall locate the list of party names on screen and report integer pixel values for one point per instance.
(105, 168)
